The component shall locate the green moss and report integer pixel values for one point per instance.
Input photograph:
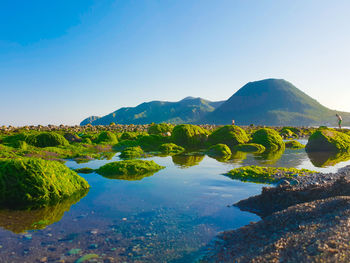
(129, 136)
(189, 136)
(230, 135)
(36, 182)
(85, 170)
(47, 139)
(286, 132)
(260, 174)
(249, 147)
(186, 161)
(328, 140)
(219, 150)
(269, 138)
(151, 142)
(294, 145)
(106, 137)
(171, 148)
(132, 152)
(7, 151)
(124, 144)
(160, 128)
(20, 221)
(128, 169)
(270, 157)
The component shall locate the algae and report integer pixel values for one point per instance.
(131, 153)
(160, 128)
(171, 148)
(189, 136)
(269, 138)
(294, 145)
(219, 150)
(329, 140)
(249, 147)
(230, 135)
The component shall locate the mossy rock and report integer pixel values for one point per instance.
(47, 139)
(189, 136)
(151, 142)
(21, 221)
(120, 146)
(36, 182)
(107, 137)
(128, 169)
(131, 153)
(160, 128)
(171, 148)
(328, 140)
(186, 161)
(230, 135)
(129, 136)
(249, 147)
(288, 132)
(269, 138)
(259, 174)
(219, 150)
(294, 145)
(71, 137)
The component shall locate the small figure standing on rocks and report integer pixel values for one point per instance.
(339, 120)
(233, 122)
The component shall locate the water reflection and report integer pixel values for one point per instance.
(129, 177)
(325, 159)
(269, 157)
(20, 221)
(186, 161)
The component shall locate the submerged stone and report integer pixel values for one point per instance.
(230, 135)
(328, 140)
(36, 182)
(269, 138)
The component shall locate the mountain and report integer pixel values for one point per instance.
(273, 102)
(187, 110)
(266, 102)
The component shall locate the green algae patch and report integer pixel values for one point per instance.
(269, 138)
(287, 132)
(160, 128)
(85, 170)
(120, 146)
(230, 135)
(21, 221)
(171, 148)
(186, 161)
(128, 169)
(107, 137)
(249, 147)
(259, 174)
(219, 150)
(47, 139)
(131, 153)
(151, 142)
(86, 258)
(31, 182)
(189, 136)
(294, 145)
(328, 140)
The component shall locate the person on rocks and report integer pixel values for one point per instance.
(339, 120)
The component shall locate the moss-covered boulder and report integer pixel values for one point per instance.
(219, 150)
(129, 136)
(328, 140)
(294, 145)
(160, 128)
(189, 136)
(151, 142)
(269, 138)
(249, 147)
(71, 137)
(261, 174)
(129, 169)
(131, 153)
(107, 137)
(47, 139)
(230, 135)
(186, 161)
(120, 146)
(171, 148)
(286, 132)
(36, 182)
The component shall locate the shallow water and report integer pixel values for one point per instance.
(170, 216)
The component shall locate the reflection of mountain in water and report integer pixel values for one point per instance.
(19, 221)
(324, 159)
(185, 161)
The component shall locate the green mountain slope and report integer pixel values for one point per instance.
(273, 102)
(184, 111)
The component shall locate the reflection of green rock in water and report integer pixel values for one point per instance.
(238, 157)
(219, 150)
(250, 147)
(328, 140)
(186, 161)
(223, 159)
(129, 169)
(19, 221)
(270, 157)
(324, 159)
(268, 138)
(31, 182)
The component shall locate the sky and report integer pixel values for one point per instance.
(62, 60)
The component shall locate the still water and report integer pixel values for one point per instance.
(170, 216)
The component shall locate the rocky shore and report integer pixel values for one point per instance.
(306, 222)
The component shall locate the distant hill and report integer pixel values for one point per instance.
(266, 102)
(187, 110)
(273, 102)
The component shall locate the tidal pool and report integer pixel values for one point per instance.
(170, 216)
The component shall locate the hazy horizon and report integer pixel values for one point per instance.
(63, 61)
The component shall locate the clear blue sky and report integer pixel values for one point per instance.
(64, 60)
